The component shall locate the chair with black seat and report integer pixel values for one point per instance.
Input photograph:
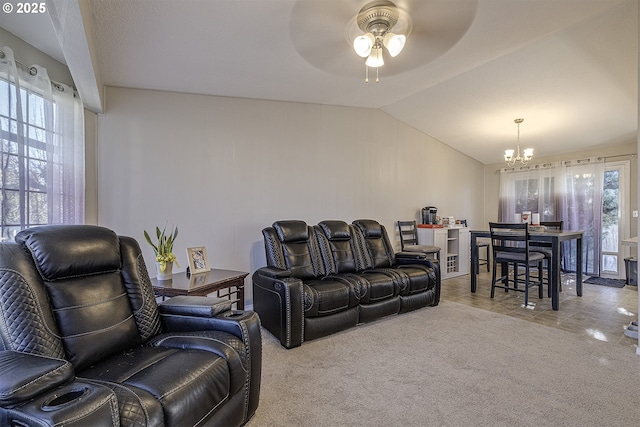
(545, 247)
(510, 244)
(487, 259)
(409, 240)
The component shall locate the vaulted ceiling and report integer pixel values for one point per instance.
(469, 68)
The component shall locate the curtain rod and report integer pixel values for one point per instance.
(548, 165)
(34, 71)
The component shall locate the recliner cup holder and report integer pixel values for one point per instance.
(66, 398)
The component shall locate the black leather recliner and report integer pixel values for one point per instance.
(323, 279)
(84, 342)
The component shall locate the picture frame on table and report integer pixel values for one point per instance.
(198, 260)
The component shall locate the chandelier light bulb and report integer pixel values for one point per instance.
(528, 154)
(508, 155)
(394, 43)
(363, 44)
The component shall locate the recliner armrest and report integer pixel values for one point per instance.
(184, 305)
(274, 273)
(411, 255)
(25, 375)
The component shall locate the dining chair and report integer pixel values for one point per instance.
(487, 259)
(409, 240)
(510, 246)
(545, 248)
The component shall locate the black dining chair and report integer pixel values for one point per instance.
(510, 245)
(545, 248)
(409, 240)
(487, 259)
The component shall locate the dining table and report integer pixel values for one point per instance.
(555, 238)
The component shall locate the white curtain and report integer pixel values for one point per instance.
(42, 136)
(536, 189)
(582, 209)
(565, 191)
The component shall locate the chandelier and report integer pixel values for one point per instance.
(376, 19)
(528, 152)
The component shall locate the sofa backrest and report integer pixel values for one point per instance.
(378, 252)
(292, 245)
(99, 293)
(338, 247)
(26, 321)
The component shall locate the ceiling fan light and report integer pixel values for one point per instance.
(363, 44)
(394, 43)
(375, 59)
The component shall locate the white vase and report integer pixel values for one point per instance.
(167, 274)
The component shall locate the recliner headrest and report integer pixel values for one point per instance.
(336, 230)
(66, 251)
(291, 231)
(369, 227)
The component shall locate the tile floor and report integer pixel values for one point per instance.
(601, 313)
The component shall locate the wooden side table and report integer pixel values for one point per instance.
(203, 284)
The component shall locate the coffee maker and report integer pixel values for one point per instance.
(429, 215)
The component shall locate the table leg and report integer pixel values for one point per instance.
(474, 266)
(240, 303)
(579, 266)
(554, 274)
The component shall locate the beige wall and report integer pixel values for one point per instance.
(224, 168)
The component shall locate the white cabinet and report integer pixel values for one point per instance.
(455, 248)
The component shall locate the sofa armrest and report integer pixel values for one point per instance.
(243, 324)
(411, 255)
(280, 303)
(184, 305)
(274, 273)
(25, 375)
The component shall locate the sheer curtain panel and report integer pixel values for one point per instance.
(563, 191)
(42, 137)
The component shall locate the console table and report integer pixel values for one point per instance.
(202, 284)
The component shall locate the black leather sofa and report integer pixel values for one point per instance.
(83, 342)
(332, 276)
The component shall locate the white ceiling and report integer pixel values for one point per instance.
(470, 67)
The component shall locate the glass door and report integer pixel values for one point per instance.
(615, 225)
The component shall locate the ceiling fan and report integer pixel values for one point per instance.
(323, 32)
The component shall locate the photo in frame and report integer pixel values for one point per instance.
(198, 260)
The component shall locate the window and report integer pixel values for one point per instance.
(41, 153)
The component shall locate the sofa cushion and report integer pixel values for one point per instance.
(187, 383)
(94, 317)
(336, 230)
(291, 231)
(294, 249)
(370, 228)
(328, 296)
(65, 251)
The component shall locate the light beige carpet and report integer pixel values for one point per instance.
(450, 365)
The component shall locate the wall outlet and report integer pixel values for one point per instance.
(635, 214)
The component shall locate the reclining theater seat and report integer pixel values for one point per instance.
(424, 274)
(343, 259)
(84, 342)
(295, 300)
(329, 277)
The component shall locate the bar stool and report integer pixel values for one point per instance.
(487, 259)
(409, 240)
